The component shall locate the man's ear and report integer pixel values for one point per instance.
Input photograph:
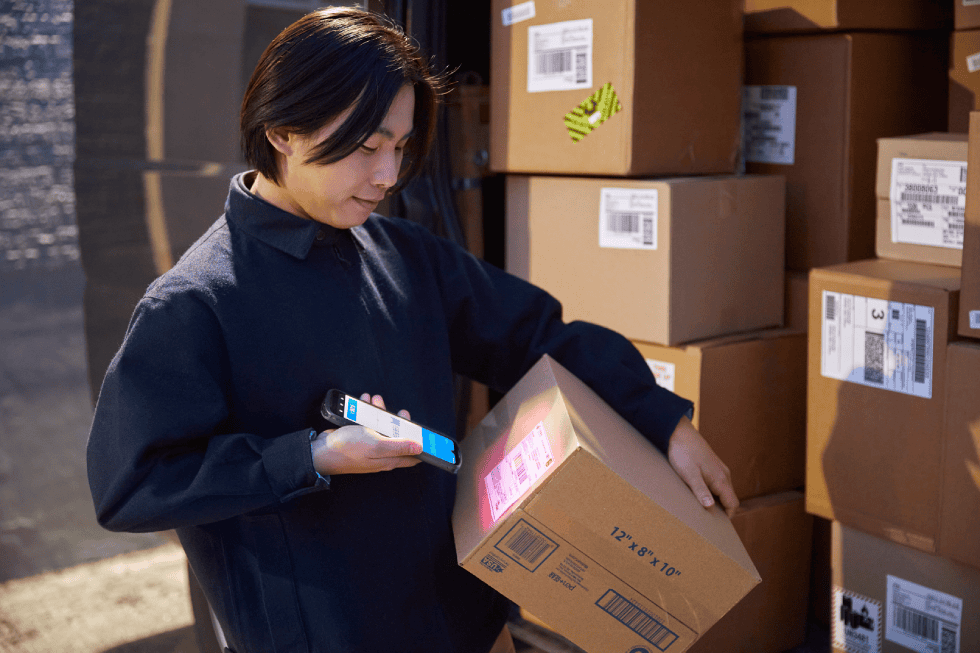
(281, 139)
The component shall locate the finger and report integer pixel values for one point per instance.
(378, 401)
(397, 448)
(700, 489)
(404, 413)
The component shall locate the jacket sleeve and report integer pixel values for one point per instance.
(158, 456)
(501, 325)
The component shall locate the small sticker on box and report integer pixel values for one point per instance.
(663, 372)
(518, 471)
(559, 56)
(973, 62)
(595, 110)
(971, 3)
(928, 201)
(628, 218)
(878, 343)
(856, 622)
(769, 124)
(975, 319)
(517, 13)
(921, 618)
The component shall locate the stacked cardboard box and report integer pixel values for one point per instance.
(969, 316)
(964, 65)
(618, 126)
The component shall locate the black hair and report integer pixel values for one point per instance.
(323, 64)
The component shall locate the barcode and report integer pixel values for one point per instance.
(553, 63)
(774, 93)
(581, 68)
(916, 623)
(621, 223)
(831, 308)
(913, 222)
(527, 544)
(520, 469)
(874, 358)
(949, 641)
(929, 199)
(648, 231)
(920, 351)
(637, 620)
(962, 174)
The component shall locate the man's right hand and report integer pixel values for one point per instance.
(355, 449)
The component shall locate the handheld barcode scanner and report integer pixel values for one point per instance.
(437, 449)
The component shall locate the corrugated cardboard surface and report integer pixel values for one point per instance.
(677, 75)
(851, 89)
(862, 565)
(965, 16)
(773, 16)
(874, 456)
(749, 393)
(964, 86)
(717, 268)
(960, 535)
(619, 540)
(772, 618)
(936, 146)
(969, 316)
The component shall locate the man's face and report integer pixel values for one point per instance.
(342, 194)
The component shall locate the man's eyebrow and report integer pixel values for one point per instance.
(387, 133)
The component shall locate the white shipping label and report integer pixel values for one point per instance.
(769, 124)
(517, 13)
(518, 471)
(857, 622)
(970, 3)
(628, 218)
(878, 343)
(559, 56)
(664, 373)
(973, 62)
(975, 319)
(928, 199)
(922, 619)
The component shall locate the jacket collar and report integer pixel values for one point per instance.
(277, 228)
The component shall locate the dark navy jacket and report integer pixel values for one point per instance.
(203, 419)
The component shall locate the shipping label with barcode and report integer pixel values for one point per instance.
(518, 471)
(662, 371)
(921, 618)
(769, 124)
(559, 56)
(856, 622)
(517, 13)
(878, 343)
(928, 199)
(628, 218)
(526, 545)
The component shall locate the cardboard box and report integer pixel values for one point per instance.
(843, 91)
(777, 533)
(774, 16)
(969, 316)
(964, 78)
(960, 533)
(601, 539)
(966, 14)
(757, 423)
(643, 87)
(893, 599)
(921, 191)
(875, 396)
(664, 261)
